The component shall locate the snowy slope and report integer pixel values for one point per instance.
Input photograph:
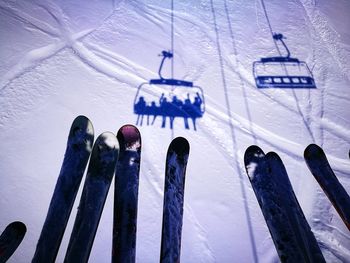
(63, 59)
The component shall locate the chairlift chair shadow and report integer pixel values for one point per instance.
(168, 98)
(282, 71)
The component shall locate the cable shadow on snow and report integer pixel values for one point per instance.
(241, 80)
(233, 135)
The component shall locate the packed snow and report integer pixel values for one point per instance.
(61, 59)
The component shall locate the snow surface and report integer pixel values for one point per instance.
(62, 59)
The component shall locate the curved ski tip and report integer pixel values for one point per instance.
(128, 128)
(273, 156)
(252, 153)
(107, 140)
(275, 161)
(180, 146)
(81, 118)
(19, 227)
(129, 135)
(313, 150)
(83, 123)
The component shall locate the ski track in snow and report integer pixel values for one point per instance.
(327, 245)
(327, 34)
(104, 67)
(30, 20)
(36, 56)
(106, 62)
(108, 69)
(331, 228)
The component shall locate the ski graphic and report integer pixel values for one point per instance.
(126, 195)
(80, 140)
(308, 246)
(175, 171)
(98, 179)
(288, 227)
(10, 239)
(318, 165)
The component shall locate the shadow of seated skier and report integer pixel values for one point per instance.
(163, 109)
(175, 110)
(197, 106)
(187, 107)
(192, 110)
(152, 110)
(170, 109)
(140, 110)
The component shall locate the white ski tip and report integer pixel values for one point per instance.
(109, 140)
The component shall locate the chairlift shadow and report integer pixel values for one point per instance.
(168, 98)
(282, 71)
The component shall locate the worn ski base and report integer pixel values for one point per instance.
(318, 164)
(98, 179)
(288, 227)
(80, 140)
(176, 162)
(126, 195)
(10, 239)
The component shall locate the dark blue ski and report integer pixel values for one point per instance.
(98, 179)
(175, 170)
(10, 239)
(126, 195)
(291, 234)
(307, 243)
(318, 164)
(80, 140)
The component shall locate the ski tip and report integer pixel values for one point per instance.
(82, 132)
(180, 146)
(104, 153)
(273, 157)
(275, 161)
(253, 153)
(312, 151)
(129, 138)
(81, 118)
(253, 157)
(18, 227)
(277, 168)
(107, 140)
(83, 122)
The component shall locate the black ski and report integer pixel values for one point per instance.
(308, 246)
(80, 140)
(175, 171)
(10, 239)
(288, 227)
(318, 164)
(126, 195)
(98, 179)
